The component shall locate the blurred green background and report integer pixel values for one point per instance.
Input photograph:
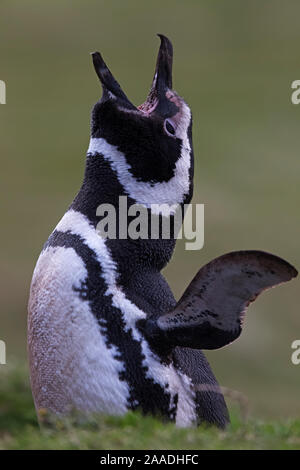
(234, 64)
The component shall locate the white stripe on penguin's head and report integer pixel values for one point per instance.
(148, 147)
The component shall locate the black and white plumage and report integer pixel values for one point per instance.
(105, 333)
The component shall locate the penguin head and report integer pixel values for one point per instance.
(148, 146)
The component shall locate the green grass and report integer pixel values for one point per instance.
(19, 428)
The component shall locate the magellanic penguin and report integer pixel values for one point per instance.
(105, 334)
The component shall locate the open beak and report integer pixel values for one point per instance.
(110, 86)
(162, 81)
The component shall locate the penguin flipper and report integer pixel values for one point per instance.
(210, 313)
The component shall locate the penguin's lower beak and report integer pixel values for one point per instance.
(110, 86)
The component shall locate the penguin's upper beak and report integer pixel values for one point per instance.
(162, 80)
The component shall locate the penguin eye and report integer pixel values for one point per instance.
(169, 128)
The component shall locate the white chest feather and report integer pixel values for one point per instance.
(71, 365)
